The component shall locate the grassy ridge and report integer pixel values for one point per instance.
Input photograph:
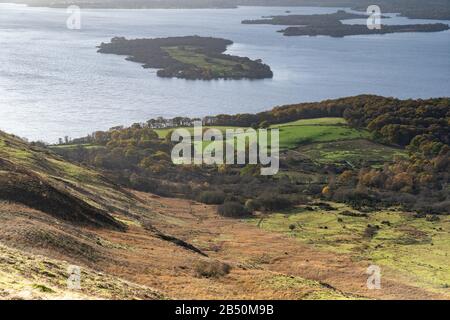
(42, 180)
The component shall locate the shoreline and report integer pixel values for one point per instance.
(159, 6)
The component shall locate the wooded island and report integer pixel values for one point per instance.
(332, 25)
(190, 57)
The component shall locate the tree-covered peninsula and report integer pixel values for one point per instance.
(190, 57)
(332, 25)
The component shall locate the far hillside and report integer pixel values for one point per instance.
(414, 9)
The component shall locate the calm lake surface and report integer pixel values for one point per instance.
(53, 82)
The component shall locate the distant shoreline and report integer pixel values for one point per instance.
(331, 24)
(437, 12)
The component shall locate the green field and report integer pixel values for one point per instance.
(189, 55)
(162, 133)
(415, 248)
(293, 136)
(306, 131)
(316, 121)
(354, 152)
(301, 132)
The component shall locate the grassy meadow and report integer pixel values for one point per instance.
(351, 151)
(416, 249)
(294, 134)
(189, 55)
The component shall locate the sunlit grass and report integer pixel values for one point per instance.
(417, 249)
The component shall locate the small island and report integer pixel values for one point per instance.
(356, 29)
(332, 25)
(190, 57)
(328, 19)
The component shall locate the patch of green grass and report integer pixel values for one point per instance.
(189, 55)
(315, 121)
(300, 132)
(11, 150)
(162, 133)
(74, 146)
(71, 170)
(43, 288)
(355, 151)
(293, 136)
(415, 249)
(41, 161)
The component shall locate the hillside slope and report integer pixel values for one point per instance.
(41, 180)
(132, 245)
(46, 204)
(54, 213)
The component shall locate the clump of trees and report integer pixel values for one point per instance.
(274, 201)
(420, 181)
(212, 197)
(233, 209)
(211, 269)
(136, 148)
(398, 122)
